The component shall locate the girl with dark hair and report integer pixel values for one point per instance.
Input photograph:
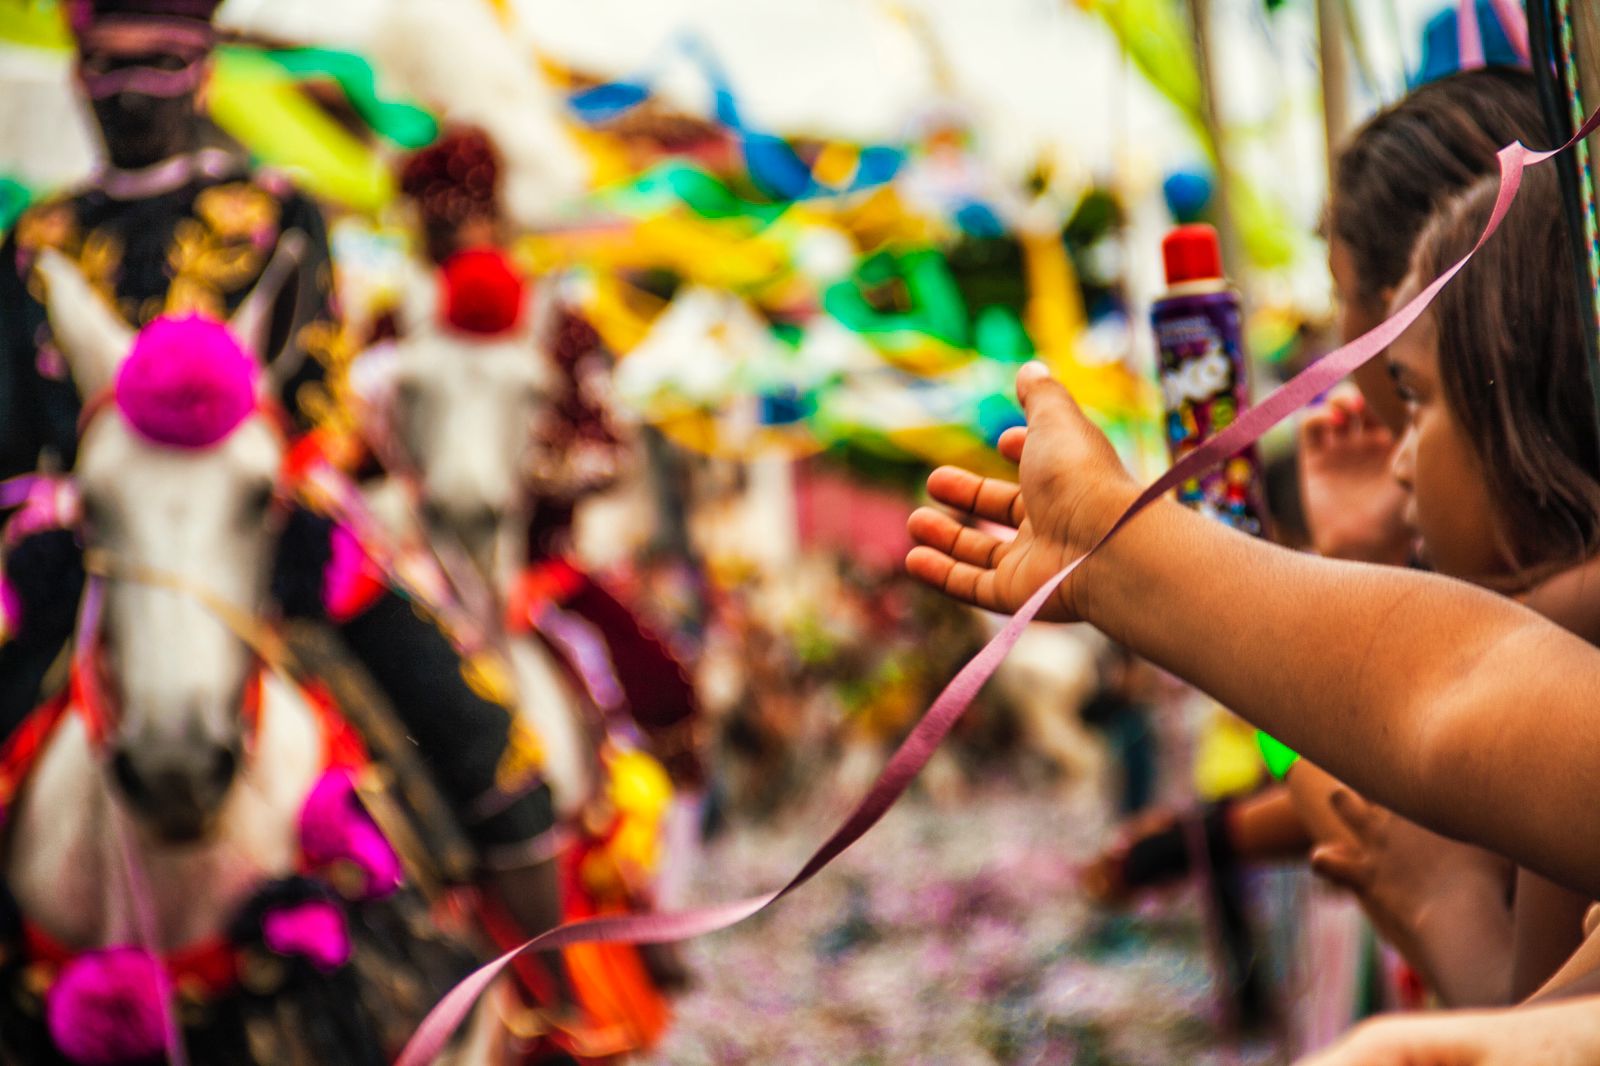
(1500, 467)
(1394, 172)
(1450, 705)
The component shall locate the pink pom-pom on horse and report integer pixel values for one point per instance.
(187, 383)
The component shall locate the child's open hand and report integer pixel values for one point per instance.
(1072, 489)
(1420, 889)
(1354, 506)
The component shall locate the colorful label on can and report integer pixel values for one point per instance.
(1204, 386)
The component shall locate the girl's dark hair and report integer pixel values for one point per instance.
(1513, 362)
(1409, 157)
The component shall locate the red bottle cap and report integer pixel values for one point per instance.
(1191, 253)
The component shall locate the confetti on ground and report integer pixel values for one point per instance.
(952, 934)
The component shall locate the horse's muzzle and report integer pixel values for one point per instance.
(176, 792)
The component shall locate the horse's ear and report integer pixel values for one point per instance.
(418, 308)
(544, 308)
(251, 323)
(89, 333)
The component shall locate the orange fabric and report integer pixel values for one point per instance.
(616, 992)
(610, 979)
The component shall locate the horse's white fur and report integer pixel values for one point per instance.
(88, 332)
(465, 412)
(547, 701)
(176, 676)
(64, 861)
(178, 670)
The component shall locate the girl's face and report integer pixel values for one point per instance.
(1358, 314)
(1449, 506)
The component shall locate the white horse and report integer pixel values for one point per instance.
(160, 829)
(461, 413)
(208, 813)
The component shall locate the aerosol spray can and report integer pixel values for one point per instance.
(1205, 380)
(1205, 383)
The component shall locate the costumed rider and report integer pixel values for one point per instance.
(454, 186)
(171, 226)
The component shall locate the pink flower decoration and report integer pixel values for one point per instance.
(350, 581)
(10, 609)
(334, 828)
(315, 930)
(187, 383)
(105, 1008)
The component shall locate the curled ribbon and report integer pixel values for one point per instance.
(914, 753)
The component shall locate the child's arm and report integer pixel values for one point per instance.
(1443, 904)
(1548, 924)
(1566, 1034)
(1453, 706)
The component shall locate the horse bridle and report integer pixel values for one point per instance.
(102, 566)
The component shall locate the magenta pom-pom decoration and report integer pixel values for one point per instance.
(314, 930)
(335, 828)
(105, 1008)
(187, 383)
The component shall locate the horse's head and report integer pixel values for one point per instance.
(177, 469)
(472, 380)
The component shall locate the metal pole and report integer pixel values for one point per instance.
(1335, 66)
(1227, 229)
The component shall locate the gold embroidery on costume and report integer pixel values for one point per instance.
(219, 251)
(53, 225)
(522, 760)
(238, 211)
(328, 405)
(97, 255)
(205, 268)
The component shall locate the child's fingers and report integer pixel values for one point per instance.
(986, 497)
(1342, 865)
(963, 581)
(963, 543)
(1011, 442)
(1315, 425)
(1356, 813)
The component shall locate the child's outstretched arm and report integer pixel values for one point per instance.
(1455, 707)
(1566, 1034)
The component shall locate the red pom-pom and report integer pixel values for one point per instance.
(483, 293)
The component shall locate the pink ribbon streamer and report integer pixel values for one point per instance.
(141, 897)
(1469, 35)
(919, 746)
(1514, 21)
(14, 492)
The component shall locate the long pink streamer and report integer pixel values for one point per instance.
(1514, 20)
(919, 747)
(1469, 35)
